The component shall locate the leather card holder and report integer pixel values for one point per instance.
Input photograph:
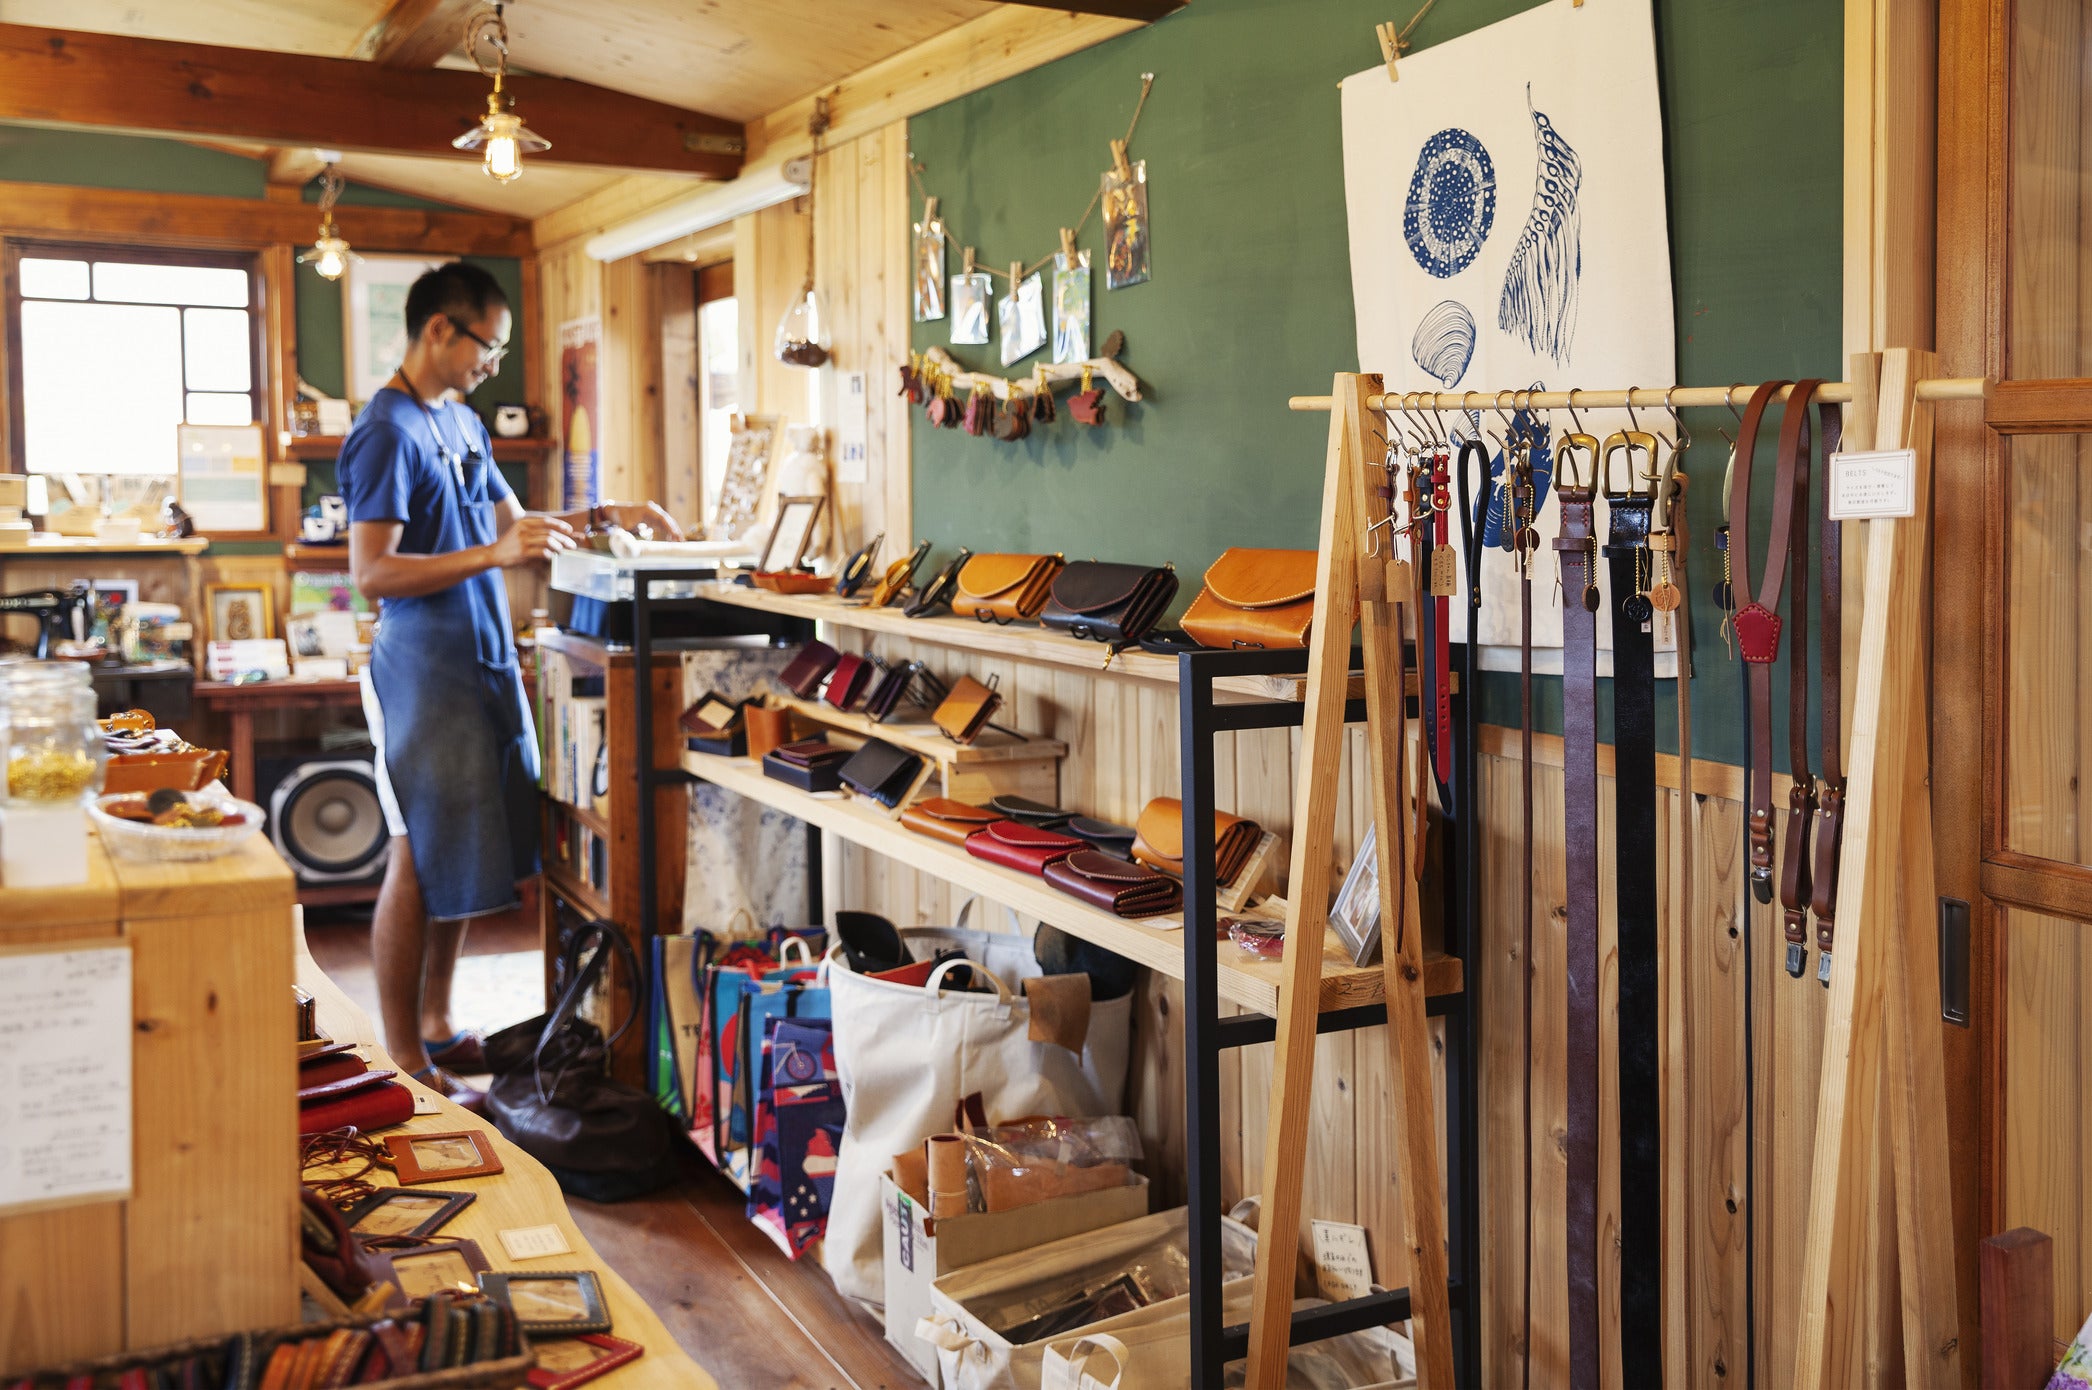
(882, 772)
(1255, 598)
(966, 710)
(1129, 890)
(847, 682)
(802, 674)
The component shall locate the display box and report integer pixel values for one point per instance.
(919, 1249)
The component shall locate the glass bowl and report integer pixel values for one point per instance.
(132, 839)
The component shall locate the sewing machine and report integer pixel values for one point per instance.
(61, 614)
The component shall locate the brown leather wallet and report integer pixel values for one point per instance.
(1255, 598)
(1005, 588)
(967, 710)
(1158, 841)
(942, 818)
(1130, 890)
(899, 575)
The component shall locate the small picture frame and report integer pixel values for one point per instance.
(550, 1303)
(420, 1158)
(239, 612)
(796, 519)
(396, 1211)
(1356, 915)
(565, 1362)
(420, 1270)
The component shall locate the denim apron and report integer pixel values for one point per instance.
(460, 751)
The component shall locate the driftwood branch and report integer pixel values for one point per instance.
(1105, 369)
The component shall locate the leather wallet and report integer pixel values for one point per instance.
(882, 772)
(715, 725)
(941, 818)
(1159, 842)
(1005, 588)
(370, 1100)
(1023, 808)
(1111, 838)
(857, 570)
(1017, 846)
(967, 710)
(767, 728)
(1255, 598)
(938, 592)
(812, 766)
(802, 674)
(903, 681)
(899, 575)
(1118, 604)
(847, 682)
(1130, 890)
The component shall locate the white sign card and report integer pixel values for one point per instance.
(1871, 484)
(65, 1076)
(224, 483)
(1343, 1268)
(853, 453)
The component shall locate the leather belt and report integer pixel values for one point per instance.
(1757, 622)
(1576, 549)
(1830, 792)
(1434, 653)
(1638, 1015)
(1521, 505)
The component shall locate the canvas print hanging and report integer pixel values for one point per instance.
(929, 265)
(1071, 306)
(971, 294)
(1126, 225)
(1509, 231)
(1021, 316)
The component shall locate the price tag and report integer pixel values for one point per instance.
(1872, 485)
(534, 1242)
(1343, 1267)
(1445, 574)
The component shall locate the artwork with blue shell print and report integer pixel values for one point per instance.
(1451, 204)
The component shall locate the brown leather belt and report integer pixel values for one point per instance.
(1518, 464)
(1576, 548)
(1757, 623)
(1830, 792)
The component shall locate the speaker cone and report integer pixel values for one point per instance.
(327, 821)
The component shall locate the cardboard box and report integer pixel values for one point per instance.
(920, 1250)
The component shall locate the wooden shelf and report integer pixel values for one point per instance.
(326, 447)
(562, 881)
(1155, 942)
(582, 815)
(46, 544)
(332, 558)
(926, 739)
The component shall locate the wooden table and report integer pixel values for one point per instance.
(523, 1194)
(239, 703)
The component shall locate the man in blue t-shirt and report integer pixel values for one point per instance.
(431, 525)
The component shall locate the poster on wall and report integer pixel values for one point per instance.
(580, 345)
(1509, 231)
(374, 318)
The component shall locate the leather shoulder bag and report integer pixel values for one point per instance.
(1117, 604)
(1255, 598)
(1005, 588)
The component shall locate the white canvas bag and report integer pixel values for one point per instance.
(908, 1055)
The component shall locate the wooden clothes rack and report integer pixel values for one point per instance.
(1882, 1027)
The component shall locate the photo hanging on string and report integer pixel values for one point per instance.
(1126, 227)
(970, 297)
(1022, 315)
(929, 270)
(1071, 307)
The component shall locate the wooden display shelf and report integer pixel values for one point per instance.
(995, 764)
(45, 543)
(1155, 942)
(575, 890)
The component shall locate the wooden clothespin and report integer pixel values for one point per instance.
(930, 212)
(1390, 47)
(1119, 165)
(1016, 274)
(1068, 244)
(969, 260)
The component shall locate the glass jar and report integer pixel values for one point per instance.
(55, 753)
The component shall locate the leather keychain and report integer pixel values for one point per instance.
(1087, 404)
(1041, 397)
(1013, 420)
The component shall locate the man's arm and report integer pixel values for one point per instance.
(509, 511)
(381, 572)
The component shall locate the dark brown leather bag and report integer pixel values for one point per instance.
(1129, 890)
(1159, 840)
(1005, 588)
(1255, 598)
(1101, 602)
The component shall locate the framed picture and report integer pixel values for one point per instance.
(374, 318)
(420, 1270)
(239, 612)
(554, 1303)
(747, 469)
(1356, 915)
(110, 597)
(420, 1158)
(565, 1362)
(394, 1211)
(796, 519)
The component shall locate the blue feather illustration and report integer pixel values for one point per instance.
(1539, 299)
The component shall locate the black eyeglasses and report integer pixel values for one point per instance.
(488, 352)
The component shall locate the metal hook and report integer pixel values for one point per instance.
(1684, 440)
(1574, 418)
(1729, 400)
(1632, 423)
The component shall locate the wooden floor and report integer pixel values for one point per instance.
(754, 1319)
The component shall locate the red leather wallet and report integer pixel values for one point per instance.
(1130, 890)
(370, 1101)
(802, 674)
(1017, 846)
(847, 682)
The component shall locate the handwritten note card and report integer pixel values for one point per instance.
(65, 1076)
(1343, 1269)
(1878, 483)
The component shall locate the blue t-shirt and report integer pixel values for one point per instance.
(433, 471)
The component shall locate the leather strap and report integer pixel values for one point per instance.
(1434, 485)
(1518, 471)
(1576, 551)
(1830, 792)
(1795, 890)
(1757, 624)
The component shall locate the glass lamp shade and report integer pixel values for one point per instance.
(329, 255)
(802, 334)
(503, 138)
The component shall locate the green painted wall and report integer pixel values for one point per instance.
(1251, 296)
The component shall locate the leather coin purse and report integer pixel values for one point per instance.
(939, 591)
(1005, 588)
(1159, 842)
(1017, 846)
(1100, 602)
(802, 674)
(715, 725)
(1023, 808)
(847, 682)
(1130, 890)
(967, 710)
(941, 818)
(882, 772)
(1255, 598)
(899, 575)
(857, 571)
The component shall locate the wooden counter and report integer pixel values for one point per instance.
(523, 1194)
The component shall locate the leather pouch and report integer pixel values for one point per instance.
(1159, 842)
(895, 685)
(1255, 598)
(882, 772)
(941, 818)
(1017, 846)
(1112, 839)
(767, 728)
(812, 766)
(1023, 808)
(1130, 890)
(802, 674)
(857, 570)
(846, 684)
(1101, 602)
(1005, 588)
(715, 725)
(939, 590)
(899, 575)
(967, 710)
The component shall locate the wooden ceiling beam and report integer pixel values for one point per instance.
(147, 86)
(295, 165)
(1146, 11)
(415, 33)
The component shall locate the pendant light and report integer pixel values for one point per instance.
(500, 134)
(330, 254)
(802, 334)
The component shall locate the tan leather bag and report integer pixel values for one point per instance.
(1158, 841)
(1005, 588)
(1255, 598)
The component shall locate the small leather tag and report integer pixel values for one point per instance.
(1401, 581)
(1445, 572)
(1758, 633)
(1060, 1009)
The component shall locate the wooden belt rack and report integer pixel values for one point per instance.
(1882, 1028)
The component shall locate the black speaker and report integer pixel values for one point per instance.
(325, 818)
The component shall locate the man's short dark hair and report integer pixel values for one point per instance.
(461, 292)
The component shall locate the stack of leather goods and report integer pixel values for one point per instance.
(337, 1087)
(811, 765)
(715, 724)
